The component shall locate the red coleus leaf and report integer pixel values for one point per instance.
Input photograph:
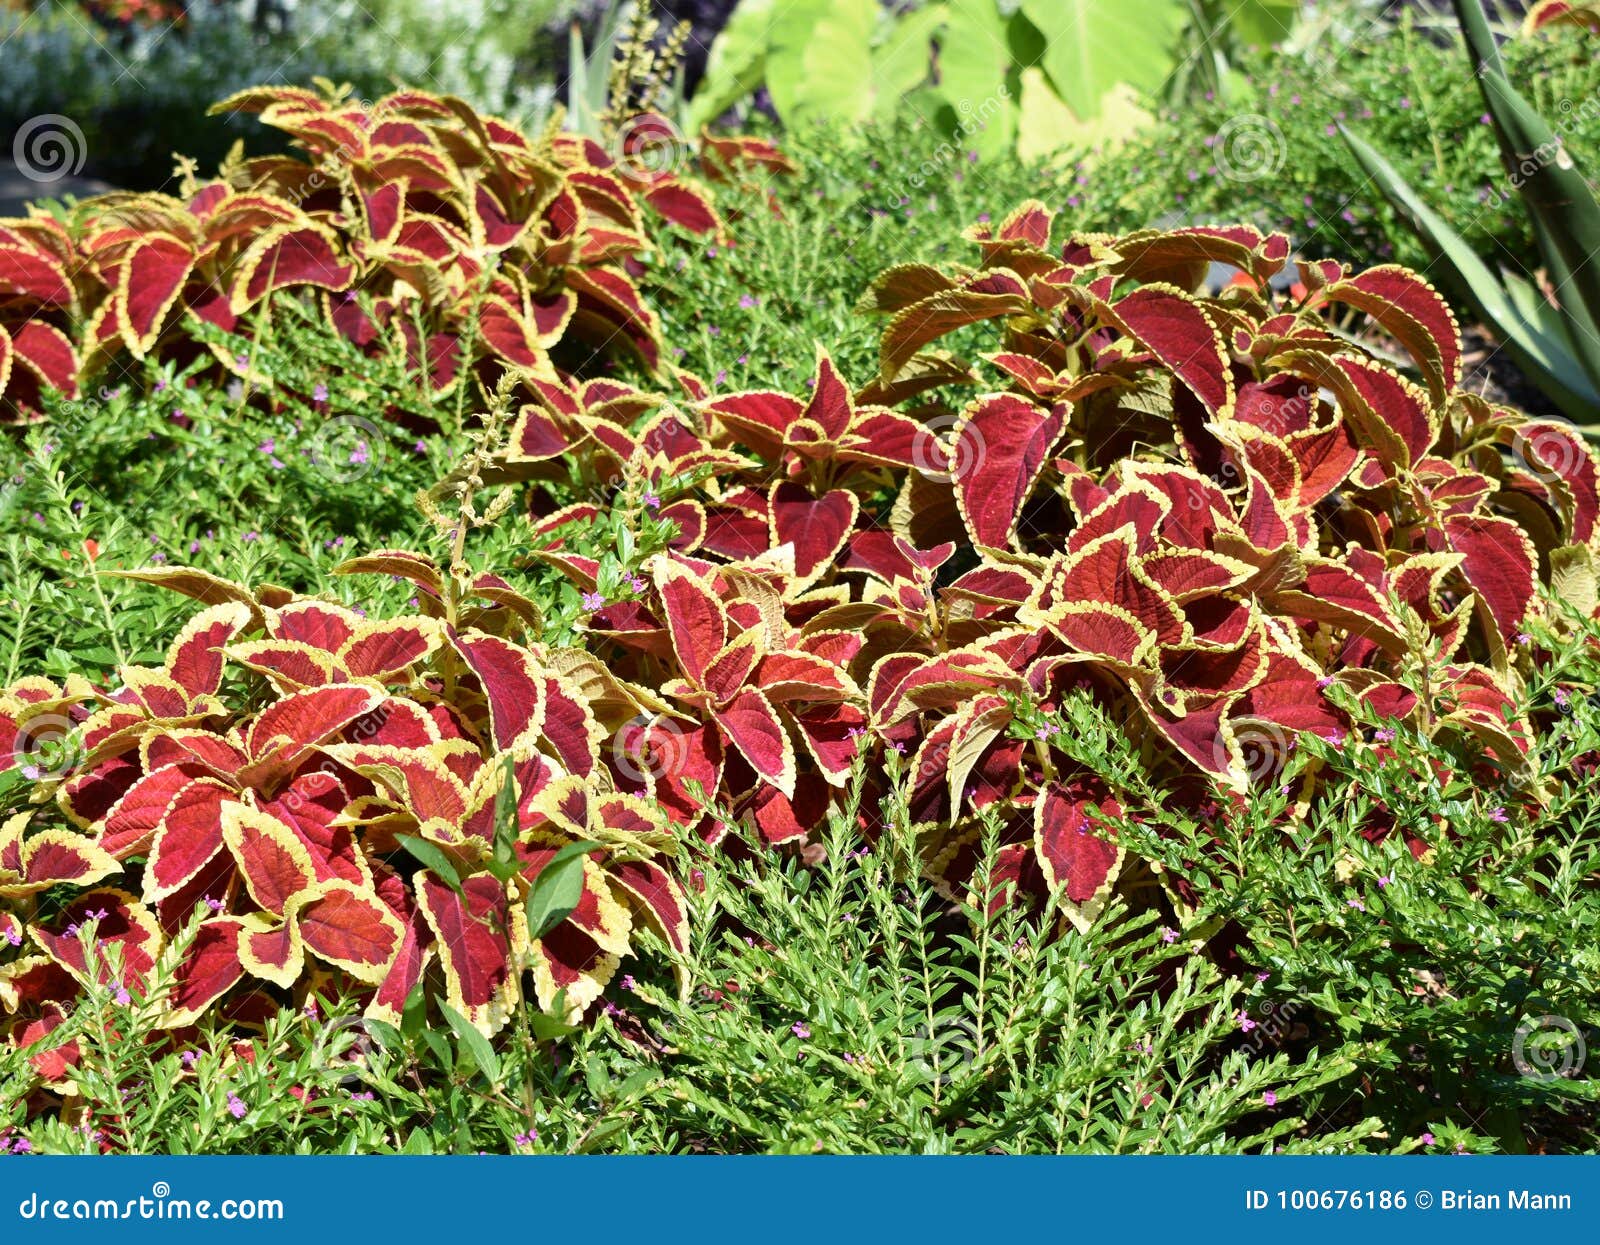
(1177, 330)
(512, 684)
(1077, 850)
(817, 527)
(1498, 562)
(999, 446)
(349, 928)
(696, 620)
(752, 725)
(477, 945)
(1415, 314)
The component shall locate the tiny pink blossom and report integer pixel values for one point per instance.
(1270, 1098)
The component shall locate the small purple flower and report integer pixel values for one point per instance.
(747, 301)
(14, 937)
(638, 583)
(1270, 1098)
(188, 1057)
(1383, 735)
(593, 601)
(628, 983)
(236, 1107)
(1561, 698)
(319, 393)
(1169, 935)
(1426, 1139)
(123, 998)
(359, 455)
(1385, 881)
(1245, 1023)
(799, 1029)
(1498, 815)
(1356, 904)
(651, 501)
(22, 1146)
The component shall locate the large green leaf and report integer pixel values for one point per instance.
(1092, 45)
(819, 60)
(736, 63)
(1262, 23)
(901, 60)
(977, 75)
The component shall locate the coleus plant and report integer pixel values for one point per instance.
(418, 224)
(1224, 521)
(407, 808)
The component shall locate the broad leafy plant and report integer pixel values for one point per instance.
(1556, 340)
(420, 227)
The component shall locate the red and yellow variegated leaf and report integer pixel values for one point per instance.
(513, 686)
(189, 836)
(480, 941)
(1076, 852)
(1176, 329)
(1414, 314)
(348, 927)
(120, 920)
(1498, 562)
(271, 949)
(696, 620)
(817, 527)
(151, 279)
(752, 725)
(53, 857)
(209, 970)
(382, 651)
(657, 899)
(993, 295)
(195, 658)
(292, 255)
(999, 446)
(275, 864)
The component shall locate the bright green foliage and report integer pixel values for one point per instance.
(1556, 341)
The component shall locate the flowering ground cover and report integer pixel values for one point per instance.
(527, 640)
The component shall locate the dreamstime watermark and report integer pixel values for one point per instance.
(945, 461)
(970, 119)
(47, 748)
(346, 448)
(49, 147)
(1572, 116)
(649, 146)
(157, 1204)
(649, 747)
(937, 1053)
(1548, 1048)
(1549, 452)
(1261, 748)
(1249, 147)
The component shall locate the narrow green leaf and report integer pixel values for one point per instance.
(433, 857)
(558, 888)
(473, 1042)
